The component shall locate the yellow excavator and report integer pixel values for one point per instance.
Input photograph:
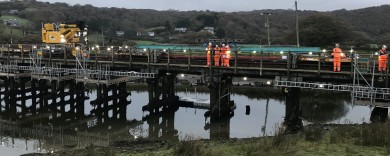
(70, 33)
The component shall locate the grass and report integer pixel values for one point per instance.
(23, 21)
(143, 42)
(95, 38)
(367, 140)
(13, 31)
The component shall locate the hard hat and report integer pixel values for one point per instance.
(223, 45)
(384, 46)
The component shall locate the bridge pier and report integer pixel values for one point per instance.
(38, 92)
(379, 114)
(64, 99)
(14, 96)
(292, 120)
(43, 91)
(114, 104)
(220, 104)
(10, 94)
(218, 129)
(164, 130)
(162, 86)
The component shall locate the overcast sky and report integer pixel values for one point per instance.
(230, 5)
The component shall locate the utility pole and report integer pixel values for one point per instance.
(296, 22)
(103, 37)
(267, 25)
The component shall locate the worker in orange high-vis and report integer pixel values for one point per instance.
(337, 55)
(382, 59)
(223, 55)
(227, 58)
(217, 55)
(209, 48)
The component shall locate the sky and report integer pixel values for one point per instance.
(229, 5)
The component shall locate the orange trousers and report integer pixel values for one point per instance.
(216, 60)
(382, 65)
(336, 64)
(208, 59)
(226, 62)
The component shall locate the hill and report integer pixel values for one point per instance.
(367, 25)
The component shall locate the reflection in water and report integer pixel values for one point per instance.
(219, 129)
(322, 107)
(264, 127)
(45, 131)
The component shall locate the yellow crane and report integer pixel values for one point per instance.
(65, 33)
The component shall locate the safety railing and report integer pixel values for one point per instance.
(362, 92)
(55, 71)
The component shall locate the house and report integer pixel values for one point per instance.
(12, 22)
(209, 29)
(150, 34)
(182, 30)
(120, 33)
(13, 11)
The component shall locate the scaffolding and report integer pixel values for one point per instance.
(359, 91)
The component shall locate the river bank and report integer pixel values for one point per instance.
(364, 139)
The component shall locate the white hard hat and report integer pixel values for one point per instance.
(384, 46)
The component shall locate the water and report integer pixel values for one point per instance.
(266, 115)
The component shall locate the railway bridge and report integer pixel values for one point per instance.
(358, 78)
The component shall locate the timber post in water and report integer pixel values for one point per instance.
(116, 103)
(292, 119)
(220, 104)
(161, 91)
(45, 96)
(380, 114)
(163, 103)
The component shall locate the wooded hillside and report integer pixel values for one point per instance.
(362, 26)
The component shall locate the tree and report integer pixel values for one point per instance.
(359, 38)
(207, 19)
(168, 26)
(31, 38)
(220, 33)
(184, 23)
(321, 30)
(384, 39)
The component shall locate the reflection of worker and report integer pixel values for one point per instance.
(227, 58)
(223, 54)
(209, 53)
(217, 55)
(337, 55)
(382, 59)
